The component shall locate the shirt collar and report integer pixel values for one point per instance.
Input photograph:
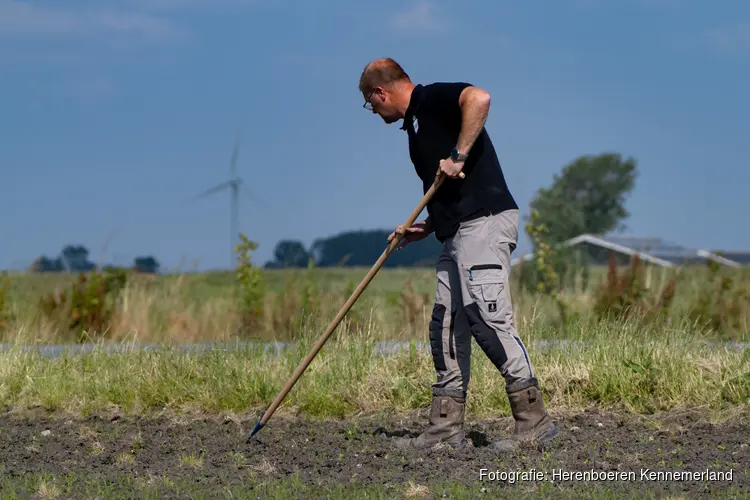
(414, 101)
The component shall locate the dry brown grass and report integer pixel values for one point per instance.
(396, 305)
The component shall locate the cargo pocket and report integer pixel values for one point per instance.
(486, 283)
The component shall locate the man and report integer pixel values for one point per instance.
(476, 219)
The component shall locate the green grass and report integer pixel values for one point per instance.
(637, 364)
(51, 486)
(623, 366)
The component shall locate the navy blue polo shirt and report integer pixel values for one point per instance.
(433, 123)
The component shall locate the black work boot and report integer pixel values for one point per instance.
(446, 419)
(532, 421)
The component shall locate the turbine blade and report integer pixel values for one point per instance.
(210, 191)
(235, 155)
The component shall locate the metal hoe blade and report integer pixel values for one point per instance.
(439, 178)
(258, 427)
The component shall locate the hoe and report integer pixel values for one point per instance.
(439, 178)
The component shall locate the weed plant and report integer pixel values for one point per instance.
(280, 304)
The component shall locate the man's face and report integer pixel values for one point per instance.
(379, 101)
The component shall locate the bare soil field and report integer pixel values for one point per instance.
(180, 456)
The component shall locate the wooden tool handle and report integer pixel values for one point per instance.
(439, 178)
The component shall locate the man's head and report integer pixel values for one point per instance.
(386, 88)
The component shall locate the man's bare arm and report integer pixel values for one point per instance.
(475, 106)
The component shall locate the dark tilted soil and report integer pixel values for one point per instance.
(353, 453)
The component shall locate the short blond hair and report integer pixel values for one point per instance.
(381, 72)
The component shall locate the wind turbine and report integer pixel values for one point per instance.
(235, 185)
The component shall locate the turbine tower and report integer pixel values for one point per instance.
(234, 184)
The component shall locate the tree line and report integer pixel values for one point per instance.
(75, 258)
(587, 196)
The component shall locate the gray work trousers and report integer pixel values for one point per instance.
(473, 299)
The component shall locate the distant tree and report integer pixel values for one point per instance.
(364, 247)
(290, 253)
(44, 264)
(146, 265)
(588, 196)
(76, 258)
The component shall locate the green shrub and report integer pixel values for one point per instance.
(251, 286)
(88, 306)
(545, 276)
(626, 295)
(721, 303)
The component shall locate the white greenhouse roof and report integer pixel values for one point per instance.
(653, 250)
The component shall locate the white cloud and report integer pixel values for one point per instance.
(420, 19)
(23, 20)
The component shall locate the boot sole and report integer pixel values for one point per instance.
(511, 444)
(548, 435)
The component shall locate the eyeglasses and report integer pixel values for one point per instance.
(368, 105)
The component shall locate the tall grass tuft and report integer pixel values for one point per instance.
(623, 366)
(282, 304)
(4, 307)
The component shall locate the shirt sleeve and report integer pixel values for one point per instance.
(443, 96)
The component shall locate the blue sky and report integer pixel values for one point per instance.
(114, 113)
